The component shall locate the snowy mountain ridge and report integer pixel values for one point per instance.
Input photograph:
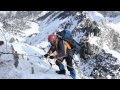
(28, 43)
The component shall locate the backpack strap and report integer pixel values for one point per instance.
(66, 46)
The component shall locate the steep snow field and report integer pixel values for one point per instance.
(30, 65)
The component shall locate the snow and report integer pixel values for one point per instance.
(115, 26)
(34, 29)
(45, 29)
(1, 24)
(78, 13)
(108, 77)
(43, 44)
(93, 40)
(114, 53)
(74, 22)
(95, 16)
(45, 76)
(4, 12)
(27, 49)
(43, 13)
(113, 19)
(30, 65)
(29, 53)
(40, 66)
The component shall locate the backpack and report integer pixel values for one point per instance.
(67, 36)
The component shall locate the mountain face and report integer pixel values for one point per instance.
(110, 13)
(25, 41)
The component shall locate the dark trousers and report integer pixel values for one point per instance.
(68, 61)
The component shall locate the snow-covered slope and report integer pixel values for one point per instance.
(24, 60)
(21, 56)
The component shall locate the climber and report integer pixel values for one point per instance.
(64, 51)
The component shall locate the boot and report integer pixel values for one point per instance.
(61, 72)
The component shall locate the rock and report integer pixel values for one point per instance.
(1, 42)
(12, 40)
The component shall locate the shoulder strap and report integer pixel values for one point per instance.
(67, 45)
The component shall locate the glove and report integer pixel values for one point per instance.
(59, 58)
(46, 55)
(51, 57)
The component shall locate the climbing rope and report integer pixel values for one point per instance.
(78, 69)
(22, 54)
(38, 57)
